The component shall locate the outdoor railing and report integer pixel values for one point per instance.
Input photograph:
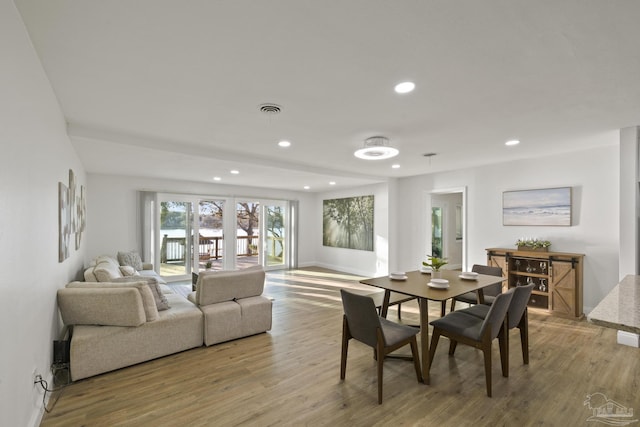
(173, 248)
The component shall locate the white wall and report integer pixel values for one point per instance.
(594, 177)
(36, 155)
(113, 210)
(366, 263)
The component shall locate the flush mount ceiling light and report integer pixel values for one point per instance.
(405, 87)
(512, 142)
(376, 148)
(284, 144)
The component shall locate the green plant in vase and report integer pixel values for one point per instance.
(436, 263)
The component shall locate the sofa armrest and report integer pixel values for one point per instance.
(220, 286)
(147, 266)
(101, 306)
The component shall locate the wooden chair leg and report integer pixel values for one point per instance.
(452, 346)
(443, 308)
(486, 349)
(399, 311)
(453, 304)
(524, 337)
(345, 347)
(503, 342)
(380, 366)
(434, 344)
(416, 358)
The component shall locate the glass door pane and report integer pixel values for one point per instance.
(274, 250)
(210, 235)
(247, 233)
(175, 239)
(436, 232)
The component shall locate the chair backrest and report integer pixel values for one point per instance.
(519, 304)
(362, 317)
(497, 312)
(492, 290)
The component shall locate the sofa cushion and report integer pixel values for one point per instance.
(220, 286)
(95, 350)
(106, 269)
(131, 258)
(160, 300)
(101, 306)
(148, 300)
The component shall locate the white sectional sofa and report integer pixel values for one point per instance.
(105, 268)
(118, 324)
(232, 303)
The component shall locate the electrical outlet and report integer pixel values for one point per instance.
(35, 376)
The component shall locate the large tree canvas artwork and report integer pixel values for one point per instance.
(348, 223)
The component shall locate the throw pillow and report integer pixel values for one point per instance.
(127, 270)
(160, 299)
(130, 258)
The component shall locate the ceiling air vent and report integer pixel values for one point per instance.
(270, 108)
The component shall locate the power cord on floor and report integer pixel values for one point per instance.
(45, 386)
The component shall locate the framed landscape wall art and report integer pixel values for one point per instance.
(348, 223)
(549, 206)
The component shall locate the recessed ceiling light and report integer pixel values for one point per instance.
(284, 143)
(332, 183)
(376, 148)
(395, 166)
(235, 172)
(306, 187)
(216, 178)
(405, 87)
(512, 142)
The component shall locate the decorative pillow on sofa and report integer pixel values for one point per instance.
(130, 258)
(127, 270)
(161, 300)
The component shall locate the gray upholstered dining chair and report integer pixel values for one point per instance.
(362, 323)
(517, 316)
(477, 332)
(489, 292)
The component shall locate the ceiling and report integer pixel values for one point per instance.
(172, 89)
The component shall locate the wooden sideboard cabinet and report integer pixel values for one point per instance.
(557, 277)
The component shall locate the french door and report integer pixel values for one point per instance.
(197, 233)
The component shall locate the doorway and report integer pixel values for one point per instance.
(447, 225)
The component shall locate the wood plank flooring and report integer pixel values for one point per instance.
(290, 375)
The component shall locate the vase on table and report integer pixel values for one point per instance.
(436, 274)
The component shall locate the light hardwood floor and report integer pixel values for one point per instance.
(290, 375)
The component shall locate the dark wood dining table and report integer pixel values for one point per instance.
(417, 285)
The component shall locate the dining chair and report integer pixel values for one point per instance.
(489, 292)
(517, 316)
(362, 323)
(476, 332)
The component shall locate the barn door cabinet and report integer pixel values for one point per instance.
(557, 277)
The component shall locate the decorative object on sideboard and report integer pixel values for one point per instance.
(549, 206)
(536, 245)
